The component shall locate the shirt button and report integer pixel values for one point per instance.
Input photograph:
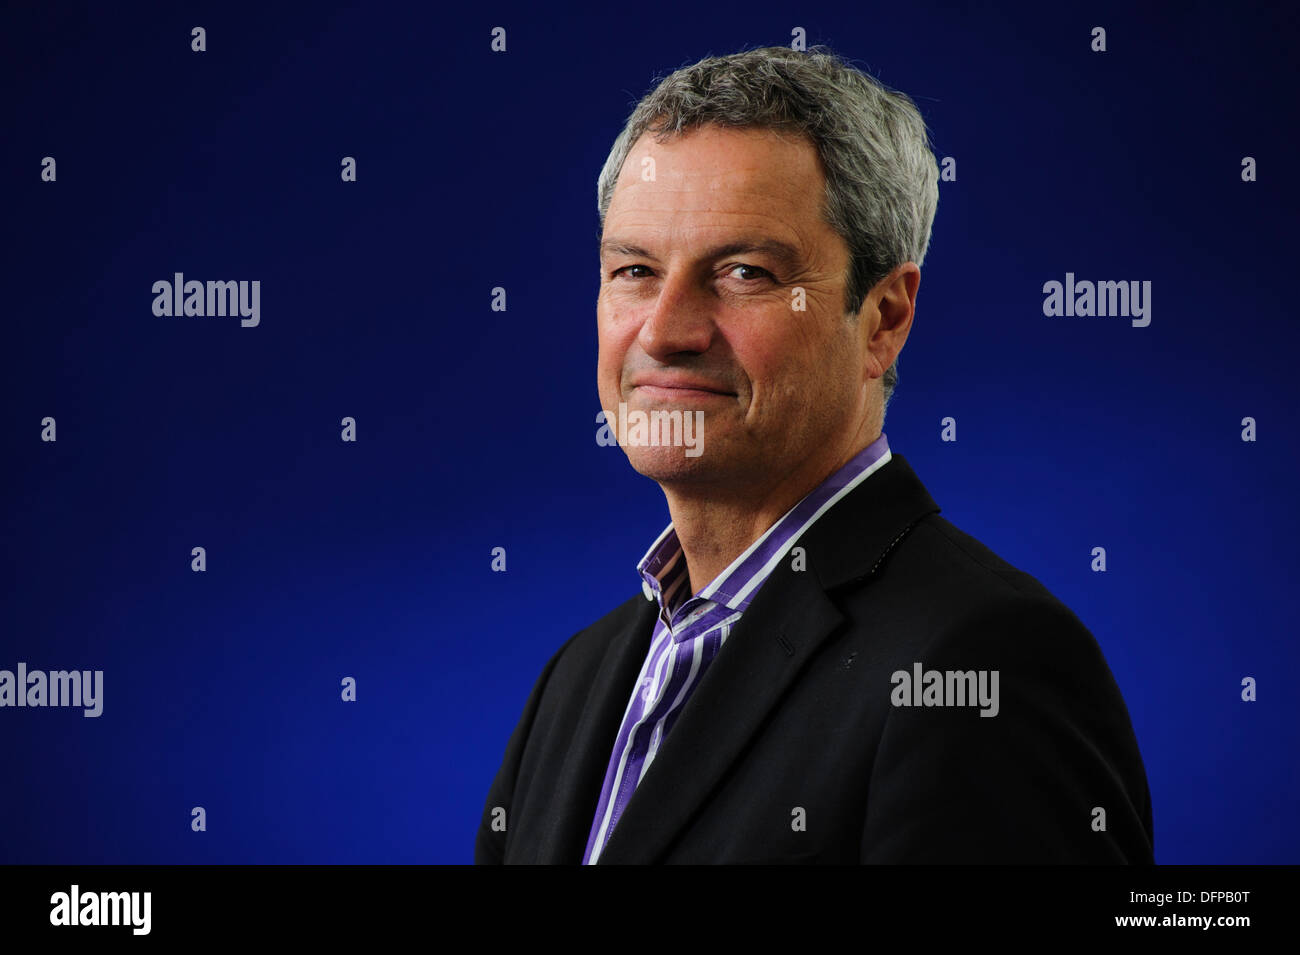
(649, 594)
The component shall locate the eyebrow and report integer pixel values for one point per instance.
(783, 251)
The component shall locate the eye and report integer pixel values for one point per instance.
(626, 267)
(763, 273)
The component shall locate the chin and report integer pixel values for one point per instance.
(670, 464)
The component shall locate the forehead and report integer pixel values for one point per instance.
(720, 176)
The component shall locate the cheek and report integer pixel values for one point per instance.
(612, 344)
(607, 376)
(797, 375)
(778, 368)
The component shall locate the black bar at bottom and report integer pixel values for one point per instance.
(368, 903)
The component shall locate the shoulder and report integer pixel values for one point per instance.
(946, 601)
(580, 657)
(593, 639)
(939, 578)
(1021, 777)
(967, 561)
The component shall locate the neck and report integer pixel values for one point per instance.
(715, 528)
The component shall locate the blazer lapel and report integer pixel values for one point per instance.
(577, 787)
(761, 657)
(789, 619)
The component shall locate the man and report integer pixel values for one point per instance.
(820, 668)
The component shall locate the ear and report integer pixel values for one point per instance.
(886, 317)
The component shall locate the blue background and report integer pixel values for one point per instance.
(476, 428)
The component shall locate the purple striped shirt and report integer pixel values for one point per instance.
(692, 629)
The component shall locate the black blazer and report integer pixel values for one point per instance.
(790, 749)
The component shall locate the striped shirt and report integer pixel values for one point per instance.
(691, 629)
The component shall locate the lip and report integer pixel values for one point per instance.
(669, 386)
(667, 396)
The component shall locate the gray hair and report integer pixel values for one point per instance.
(882, 181)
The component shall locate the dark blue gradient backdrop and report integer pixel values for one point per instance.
(476, 429)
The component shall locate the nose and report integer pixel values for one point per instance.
(679, 319)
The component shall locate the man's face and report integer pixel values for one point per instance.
(698, 308)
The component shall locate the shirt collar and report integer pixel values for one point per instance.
(663, 568)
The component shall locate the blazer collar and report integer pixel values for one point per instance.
(852, 539)
(789, 618)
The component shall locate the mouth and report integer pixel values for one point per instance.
(661, 393)
(663, 388)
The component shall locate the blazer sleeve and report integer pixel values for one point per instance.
(490, 843)
(1034, 783)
